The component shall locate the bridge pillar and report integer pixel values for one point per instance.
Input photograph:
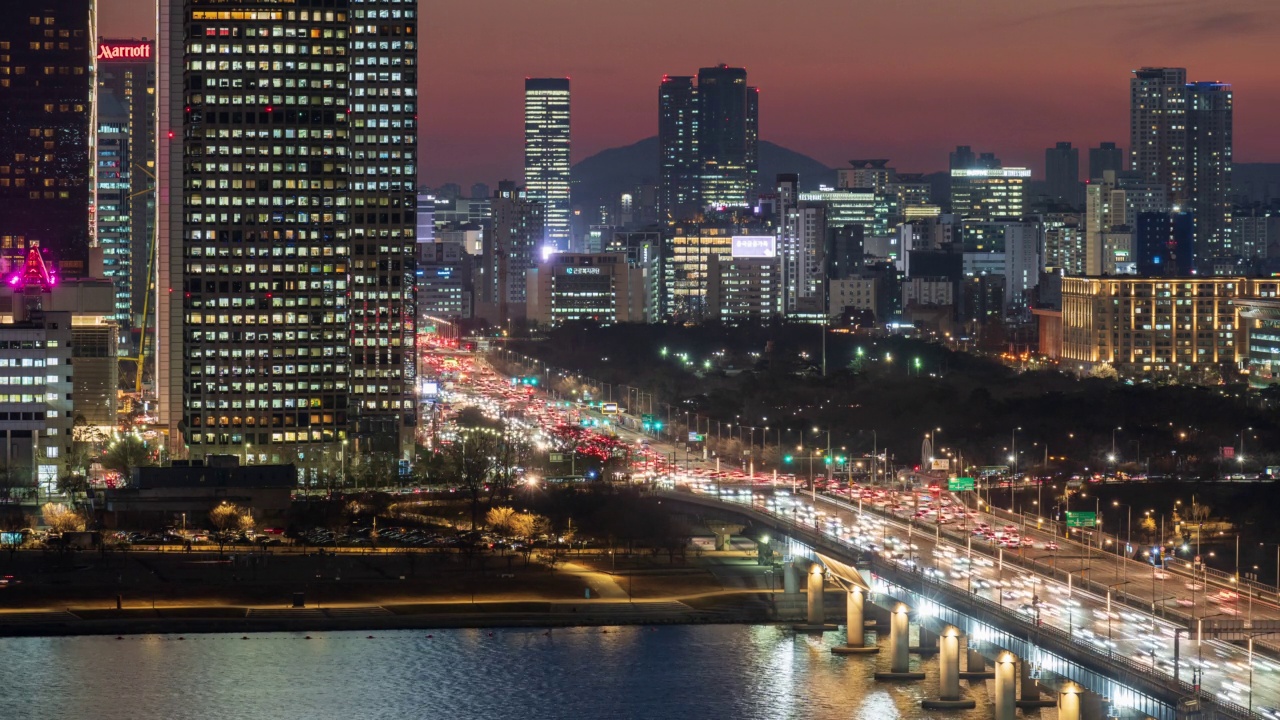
(790, 578)
(899, 638)
(1029, 690)
(855, 633)
(817, 615)
(976, 667)
(1006, 668)
(948, 673)
(927, 644)
(722, 531)
(1091, 706)
(1069, 701)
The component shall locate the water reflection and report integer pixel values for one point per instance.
(729, 671)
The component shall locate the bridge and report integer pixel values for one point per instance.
(963, 598)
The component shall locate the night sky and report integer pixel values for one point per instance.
(839, 79)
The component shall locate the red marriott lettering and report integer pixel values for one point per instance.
(138, 51)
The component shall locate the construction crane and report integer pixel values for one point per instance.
(143, 349)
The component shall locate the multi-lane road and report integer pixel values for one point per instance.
(1117, 606)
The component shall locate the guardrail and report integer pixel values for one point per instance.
(1107, 666)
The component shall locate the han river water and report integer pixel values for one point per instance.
(710, 671)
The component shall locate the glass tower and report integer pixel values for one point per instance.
(546, 154)
(285, 282)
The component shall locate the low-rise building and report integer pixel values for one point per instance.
(1189, 328)
(596, 287)
(184, 493)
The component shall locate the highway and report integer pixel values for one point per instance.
(1044, 578)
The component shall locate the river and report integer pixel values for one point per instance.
(706, 671)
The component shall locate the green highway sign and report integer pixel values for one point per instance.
(1082, 519)
(557, 457)
(956, 484)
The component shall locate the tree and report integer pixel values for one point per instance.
(470, 462)
(499, 517)
(1148, 526)
(127, 453)
(513, 453)
(61, 519)
(377, 470)
(10, 479)
(229, 520)
(70, 483)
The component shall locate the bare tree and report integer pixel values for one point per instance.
(513, 452)
(470, 462)
(229, 520)
(499, 517)
(61, 519)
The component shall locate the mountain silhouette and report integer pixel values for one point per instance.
(601, 178)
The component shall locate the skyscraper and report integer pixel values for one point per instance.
(722, 135)
(1209, 160)
(678, 169)
(1105, 157)
(546, 154)
(1182, 138)
(1062, 174)
(126, 95)
(709, 142)
(46, 131)
(1158, 128)
(286, 208)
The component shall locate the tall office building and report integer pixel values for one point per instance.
(126, 100)
(1062, 174)
(1209, 161)
(509, 254)
(678, 170)
(723, 120)
(1182, 138)
(1105, 157)
(989, 193)
(709, 142)
(546, 154)
(47, 130)
(286, 207)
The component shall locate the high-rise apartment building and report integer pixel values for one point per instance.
(47, 130)
(126, 103)
(546, 155)
(1062, 174)
(1209, 161)
(286, 189)
(1105, 157)
(1182, 138)
(1158, 128)
(709, 141)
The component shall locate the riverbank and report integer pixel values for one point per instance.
(139, 592)
(728, 606)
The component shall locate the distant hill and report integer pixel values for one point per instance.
(609, 173)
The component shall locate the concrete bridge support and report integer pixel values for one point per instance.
(817, 611)
(1006, 669)
(899, 659)
(1029, 690)
(790, 578)
(1092, 706)
(948, 674)
(927, 644)
(976, 667)
(722, 532)
(855, 633)
(1069, 701)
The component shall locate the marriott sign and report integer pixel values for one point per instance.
(117, 50)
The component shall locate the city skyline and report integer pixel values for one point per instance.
(1033, 65)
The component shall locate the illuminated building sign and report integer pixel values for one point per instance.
(755, 246)
(582, 271)
(124, 51)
